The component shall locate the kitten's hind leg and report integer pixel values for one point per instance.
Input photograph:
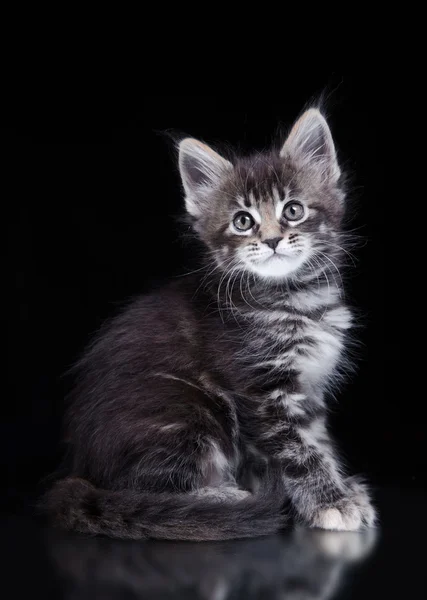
(185, 445)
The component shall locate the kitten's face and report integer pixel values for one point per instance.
(270, 214)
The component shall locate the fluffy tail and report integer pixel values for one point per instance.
(77, 505)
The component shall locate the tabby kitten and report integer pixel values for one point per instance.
(199, 412)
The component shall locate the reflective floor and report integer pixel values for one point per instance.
(297, 565)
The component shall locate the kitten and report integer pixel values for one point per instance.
(199, 411)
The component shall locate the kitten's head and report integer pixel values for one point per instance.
(273, 213)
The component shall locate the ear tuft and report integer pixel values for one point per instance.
(311, 146)
(202, 169)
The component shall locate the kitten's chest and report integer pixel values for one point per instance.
(284, 341)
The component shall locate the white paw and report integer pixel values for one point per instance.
(350, 514)
(338, 520)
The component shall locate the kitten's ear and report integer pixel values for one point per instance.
(201, 170)
(311, 146)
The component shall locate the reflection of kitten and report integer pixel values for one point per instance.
(304, 565)
(183, 397)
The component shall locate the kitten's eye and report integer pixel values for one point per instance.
(243, 221)
(293, 211)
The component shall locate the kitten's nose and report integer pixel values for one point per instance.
(272, 242)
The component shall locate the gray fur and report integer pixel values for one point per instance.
(199, 412)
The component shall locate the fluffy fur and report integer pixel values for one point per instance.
(199, 411)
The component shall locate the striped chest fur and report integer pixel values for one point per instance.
(303, 337)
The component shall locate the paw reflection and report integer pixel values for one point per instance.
(301, 565)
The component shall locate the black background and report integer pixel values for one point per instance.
(94, 195)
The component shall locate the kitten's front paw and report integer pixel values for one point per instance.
(352, 513)
(337, 519)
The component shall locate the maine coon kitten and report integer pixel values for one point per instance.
(199, 411)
